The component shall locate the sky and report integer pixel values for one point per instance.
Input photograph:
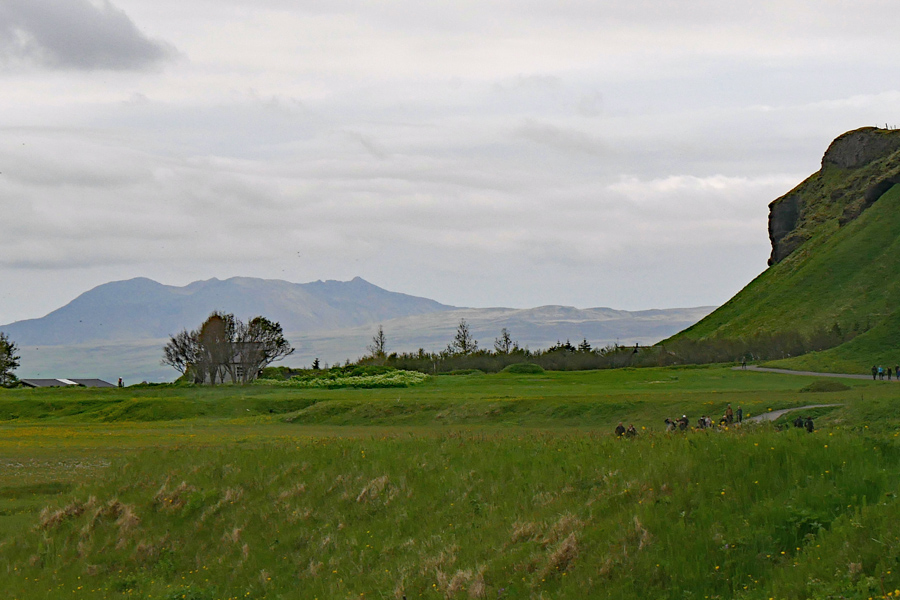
(491, 153)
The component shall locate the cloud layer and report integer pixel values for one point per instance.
(491, 153)
(75, 34)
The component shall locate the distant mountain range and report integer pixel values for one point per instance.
(118, 329)
(144, 309)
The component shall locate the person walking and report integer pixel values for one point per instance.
(809, 425)
(874, 372)
(740, 414)
(729, 415)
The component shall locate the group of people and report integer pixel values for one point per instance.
(683, 423)
(705, 421)
(730, 417)
(805, 422)
(878, 372)
(622, 432)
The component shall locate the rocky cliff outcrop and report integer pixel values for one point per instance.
(783, 216)
(857, 168)
(860, 147)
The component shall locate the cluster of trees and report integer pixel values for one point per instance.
(9, 361)
(224, 346)
(463, 353)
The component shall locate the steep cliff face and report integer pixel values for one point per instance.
(835, 251)
(858, 168)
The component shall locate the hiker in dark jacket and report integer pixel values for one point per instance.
(798, 422)
(809, 425)
(740, 414)
(620, 430)
(874, 372)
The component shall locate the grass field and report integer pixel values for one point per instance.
(477, 486)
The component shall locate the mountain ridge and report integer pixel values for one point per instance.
(141, 308)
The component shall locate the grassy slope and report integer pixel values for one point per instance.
(226, 506)
(845, 276)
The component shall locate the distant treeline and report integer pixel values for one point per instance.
(568, 357)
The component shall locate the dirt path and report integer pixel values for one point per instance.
(810, 373)
(771, 416)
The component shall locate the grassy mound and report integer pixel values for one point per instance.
(524, 369)
(464, 372)
(825, 385)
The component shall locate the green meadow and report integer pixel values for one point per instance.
(470, 486)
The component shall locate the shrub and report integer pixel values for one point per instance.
(337, 379)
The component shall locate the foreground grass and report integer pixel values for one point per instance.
(734, 514)
(477, 486)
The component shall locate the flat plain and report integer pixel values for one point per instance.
(474, 486)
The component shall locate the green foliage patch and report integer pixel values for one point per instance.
(339, 379)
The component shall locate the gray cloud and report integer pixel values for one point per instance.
(77, 35)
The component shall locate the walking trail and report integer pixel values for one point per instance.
(771, 416)
(811, 373)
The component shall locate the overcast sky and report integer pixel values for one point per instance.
(482, 153)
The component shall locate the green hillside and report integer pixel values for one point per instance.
(836, 263)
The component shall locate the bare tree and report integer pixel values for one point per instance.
(504, 344)
(9, 360)
(183, 351)
(378, 347)
(463, 342)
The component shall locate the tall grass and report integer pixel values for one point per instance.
(738, 514)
